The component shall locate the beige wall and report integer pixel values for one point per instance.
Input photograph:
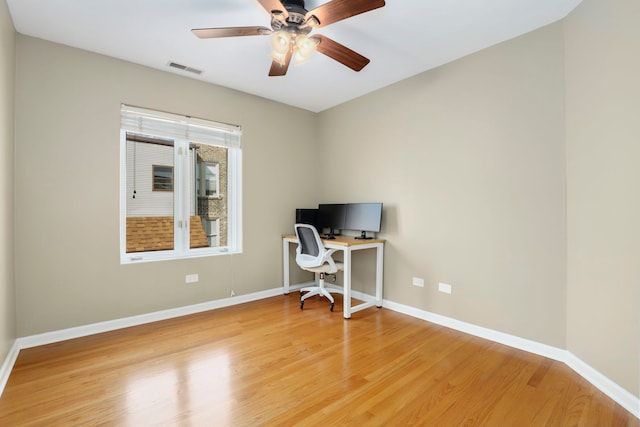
(469, 162)
(67, 188)
(603, 175)
(7, 289)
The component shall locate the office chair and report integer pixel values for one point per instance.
(311, 255)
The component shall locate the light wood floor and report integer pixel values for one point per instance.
(269, 363)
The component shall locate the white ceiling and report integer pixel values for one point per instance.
(402, 39)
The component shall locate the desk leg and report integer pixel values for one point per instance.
(347, 283)
(285, 266)
(379, 274)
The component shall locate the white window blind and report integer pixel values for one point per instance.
(140, 120)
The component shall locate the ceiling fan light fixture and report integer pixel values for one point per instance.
(305, 46)
(281, 42)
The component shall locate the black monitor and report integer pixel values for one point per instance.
(363, 217)
(331, 216)
(307, 216)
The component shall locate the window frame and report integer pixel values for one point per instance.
(182, 174)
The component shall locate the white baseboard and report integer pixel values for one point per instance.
(7, 365)
(625, 399)
(112, 325)
(604, 384)
(621, 396)
(478, 331)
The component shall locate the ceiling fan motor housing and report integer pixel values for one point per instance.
(295, 21)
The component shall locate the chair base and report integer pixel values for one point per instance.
(318, 290)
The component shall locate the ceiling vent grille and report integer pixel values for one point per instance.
(184, 68)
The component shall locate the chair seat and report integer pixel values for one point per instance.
(326, 268)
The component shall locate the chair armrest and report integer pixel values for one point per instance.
(329, 259)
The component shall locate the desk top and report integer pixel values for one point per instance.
(341, 240)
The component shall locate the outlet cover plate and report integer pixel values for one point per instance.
(443, 287)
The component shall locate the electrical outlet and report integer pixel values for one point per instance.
(418, 282)
(191, 278)
(443, 287)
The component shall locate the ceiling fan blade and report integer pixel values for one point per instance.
(212, 33)
(340, 53)
(278, 69)
(337, 10)
(272, 5)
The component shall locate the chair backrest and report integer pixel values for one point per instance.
(310, 251)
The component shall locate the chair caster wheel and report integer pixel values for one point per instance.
(331, 308)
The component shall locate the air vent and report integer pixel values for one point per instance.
(184, 68)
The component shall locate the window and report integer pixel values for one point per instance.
(180, 186)
(207, 184)
(162, 178)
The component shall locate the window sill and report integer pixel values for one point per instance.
(172, 255)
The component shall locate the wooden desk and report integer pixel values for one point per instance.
(347, 245)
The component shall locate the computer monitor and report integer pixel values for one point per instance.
(363, 217)
(307, 216)
(331, 216)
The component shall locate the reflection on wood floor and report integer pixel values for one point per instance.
(269, 363)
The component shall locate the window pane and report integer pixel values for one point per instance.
(210, 187)
(149, 198)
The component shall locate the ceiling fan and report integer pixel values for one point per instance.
(290, 25)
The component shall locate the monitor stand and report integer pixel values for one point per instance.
(363, 236)
(331, 235)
